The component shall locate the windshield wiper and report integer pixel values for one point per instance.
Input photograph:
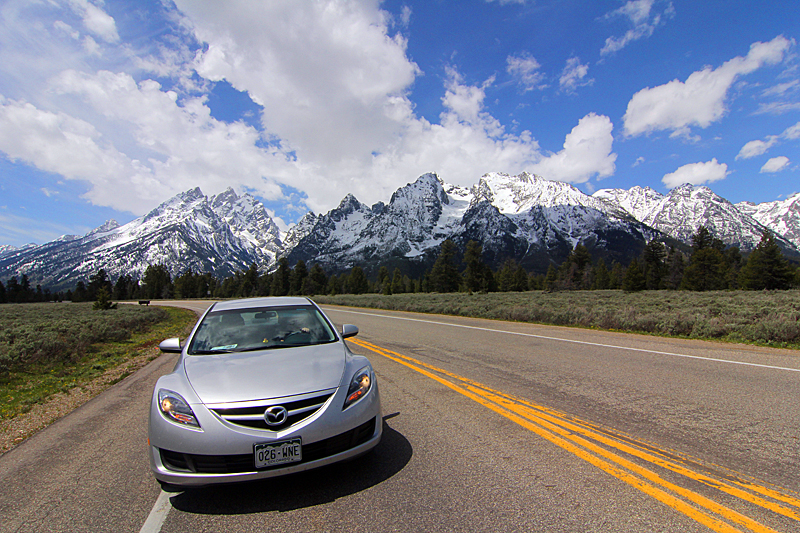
(256, 348)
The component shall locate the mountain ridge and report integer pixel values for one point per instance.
(526, 217)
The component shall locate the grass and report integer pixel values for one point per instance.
(50, 348)
(770, 318)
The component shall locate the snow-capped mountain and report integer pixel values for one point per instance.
(681, 212)
(7, 249)
(528, 218)
(220, 234)
(782, 216)
(535, 221)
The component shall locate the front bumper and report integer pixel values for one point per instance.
(223, 452)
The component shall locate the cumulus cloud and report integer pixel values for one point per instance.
(700, 100)
(97, 21)
(776, 164)
(149, 156)
(586, 153)
(333, 84)
(640, 15)
(330, 79)
(329, 76)
(525, 70)
(574, 75)
(696, 174)
(758, 147)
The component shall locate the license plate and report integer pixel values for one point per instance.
(278, 453)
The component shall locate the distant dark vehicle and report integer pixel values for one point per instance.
(144, 302)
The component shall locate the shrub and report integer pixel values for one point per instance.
(51, 333)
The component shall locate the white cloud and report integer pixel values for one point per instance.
(525, 70)
(639, 14)
(756, 148)
(792, 132)
(14, 228)
(782, 88)
(573, 75)
(696, 174)
(331, 81)
(776, 164)
(586, 153)
(700, 100)
(466, 102)
(97, 21)
(330, 78)
(777, 108)
(54, 142)
(405, 16)
(333, 85)
(153, 146)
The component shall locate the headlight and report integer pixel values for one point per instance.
(175, 408)
(359, 386)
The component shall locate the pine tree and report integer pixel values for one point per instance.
(296, 277)
(654, 256)
(676, 266)
(280, 279)
(551, 278)
(444, 275)
(103, 302)
(357, 282)
(602, 278)
(317, 280)
(474, 274)
(334, 286)
(398, 286)
(707, 269)
(766, 268)
(634, 279)
(157, 282)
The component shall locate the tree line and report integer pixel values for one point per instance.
(708, 265)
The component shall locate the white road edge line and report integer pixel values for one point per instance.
(573, 341)
(157, 515)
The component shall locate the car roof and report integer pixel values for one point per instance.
(270, 301)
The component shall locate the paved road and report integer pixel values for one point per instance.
(490, 426)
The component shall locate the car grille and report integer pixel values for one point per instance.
(251, 414)
(234, 464)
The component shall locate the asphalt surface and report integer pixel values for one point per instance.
(489, 426)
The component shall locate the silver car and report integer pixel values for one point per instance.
(263, 387)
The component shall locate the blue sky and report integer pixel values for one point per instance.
(108, 108)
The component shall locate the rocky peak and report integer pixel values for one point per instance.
(109, 225)
(227, 197)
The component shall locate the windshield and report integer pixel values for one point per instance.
(242, 330)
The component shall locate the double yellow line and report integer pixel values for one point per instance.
(615, 453)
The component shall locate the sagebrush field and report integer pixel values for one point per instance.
(769, 318)
(48, 348)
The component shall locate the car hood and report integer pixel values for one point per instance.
(275, 373)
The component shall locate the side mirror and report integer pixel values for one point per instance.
(172, 345)
(349, 330)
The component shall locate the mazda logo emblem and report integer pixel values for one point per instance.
(276, 415)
